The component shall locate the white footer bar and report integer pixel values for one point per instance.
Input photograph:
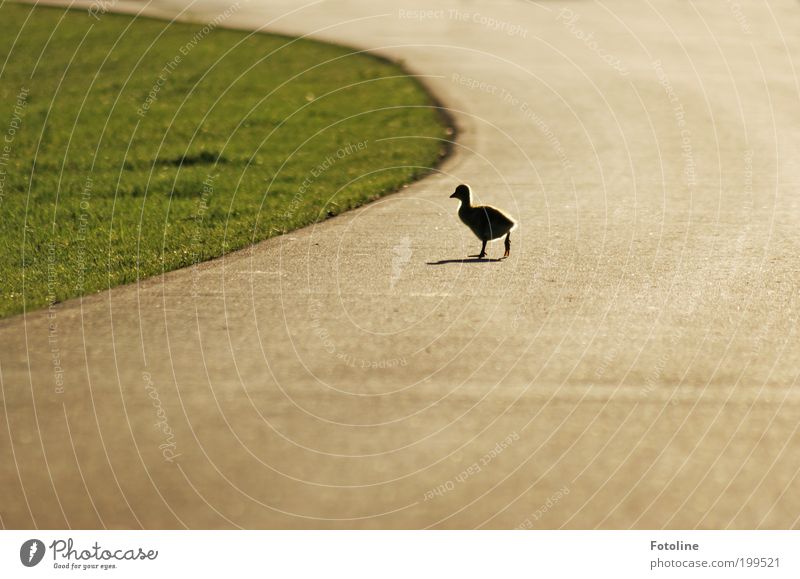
(401, 554)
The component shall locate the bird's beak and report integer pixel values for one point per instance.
(452, 196)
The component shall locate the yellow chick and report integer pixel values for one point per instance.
(485, 221)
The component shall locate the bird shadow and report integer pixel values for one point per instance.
(471, 259)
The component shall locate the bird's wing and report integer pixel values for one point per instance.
(497, 215)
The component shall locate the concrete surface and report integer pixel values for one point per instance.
(633, 365)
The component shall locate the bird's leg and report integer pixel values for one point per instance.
(482, 254)
(508, 245)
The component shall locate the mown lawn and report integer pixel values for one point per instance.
(129, 147)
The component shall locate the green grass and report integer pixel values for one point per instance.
(119, 162)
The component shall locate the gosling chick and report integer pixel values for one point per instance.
(485, 221)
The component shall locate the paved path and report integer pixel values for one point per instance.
(634, 364)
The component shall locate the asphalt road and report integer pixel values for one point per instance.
(634, 364)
